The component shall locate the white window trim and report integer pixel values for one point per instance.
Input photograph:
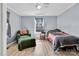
(35, 24)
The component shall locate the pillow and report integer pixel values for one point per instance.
(24, 31)
(65, 33)
(57, 30)
(58, 33)
(21, 32)
(18, 32)
(51, 37)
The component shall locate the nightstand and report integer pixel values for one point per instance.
(42, 35)
(77, 46)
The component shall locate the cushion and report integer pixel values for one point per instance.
(50, 37)
(57, 30)
(58, 33)
(65, 33)
(24, 32)
(21, 33)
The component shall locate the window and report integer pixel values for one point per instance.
(39, 24)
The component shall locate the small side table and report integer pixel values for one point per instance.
(77, 47)
(42, 36)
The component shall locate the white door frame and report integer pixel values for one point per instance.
(35, 24)
(3, 29)
(0, 29)
(37, 34)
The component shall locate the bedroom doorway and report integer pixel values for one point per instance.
(39, 26)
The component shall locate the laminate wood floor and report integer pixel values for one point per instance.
(43, 48)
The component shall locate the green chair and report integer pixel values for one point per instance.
(25, 41)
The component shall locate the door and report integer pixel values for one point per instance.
(39, 26)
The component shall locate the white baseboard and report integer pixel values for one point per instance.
(10, 44)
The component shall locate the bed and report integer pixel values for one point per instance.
(61, 39)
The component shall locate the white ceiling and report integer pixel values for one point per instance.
(29, 9)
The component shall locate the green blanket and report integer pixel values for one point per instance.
(25, 42)
(24, 38)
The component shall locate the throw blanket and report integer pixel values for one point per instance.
(65, 40)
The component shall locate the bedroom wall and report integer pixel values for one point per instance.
(15, 24)
(28, 22)
(69, 21)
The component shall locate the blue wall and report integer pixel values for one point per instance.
(28, 22)
(15, 25)
(69, 21)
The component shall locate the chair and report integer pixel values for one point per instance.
(25, 40)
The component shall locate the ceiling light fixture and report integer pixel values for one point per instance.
(38, 6)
